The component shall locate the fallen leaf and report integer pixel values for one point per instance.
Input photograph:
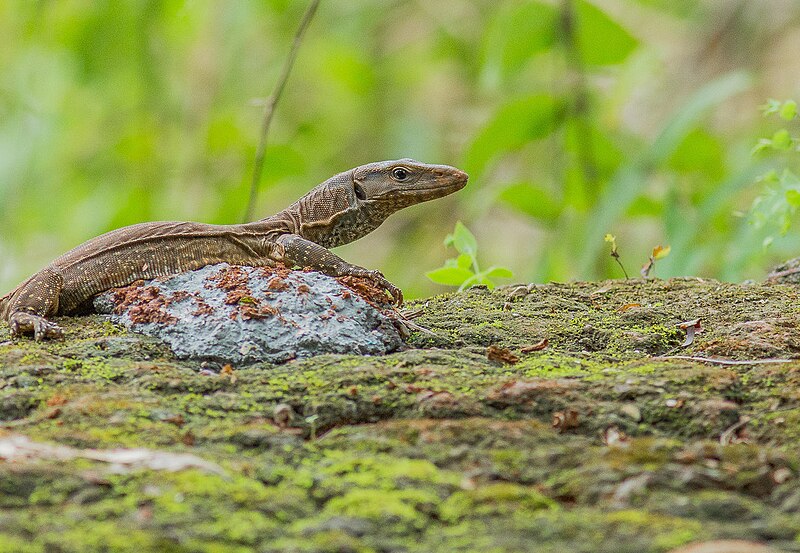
(177, 420)
(736, 433)
(538, 346)
(627, 306)
(565, 420)
(497, 354)
(614, 436)
(56, 399)
(692, 328)
(227, 370)
(188, 438)
(283, 415)
(781, 475)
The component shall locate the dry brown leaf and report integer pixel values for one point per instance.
(497, 354)
(227, 371)
(565, 420)
(538, 346)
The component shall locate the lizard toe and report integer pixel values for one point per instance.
(44, 329)
(394, 291)
(397, 294)
(24, 323)
(15, 329)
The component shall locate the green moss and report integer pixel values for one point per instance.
(503, 499)
(433, 449)
(399, 510)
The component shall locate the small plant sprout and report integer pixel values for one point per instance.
(464, 271)
(659, 252)
(611, 239)
(778, 202)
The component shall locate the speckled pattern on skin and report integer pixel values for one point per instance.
(336, 212)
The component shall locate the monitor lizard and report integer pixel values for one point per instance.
(340, 210)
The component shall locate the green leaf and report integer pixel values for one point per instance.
(601, 40)
(450, 276)
(483, 280)
(772, 106)
(531, 200)
(474, 279)
(632, 178)
(699, 152)
(788, 110)
(498, 272)
(761, 145)
(793, 197)
(781, 140)
(514, 37)
(463, 240)
(464, 261)
(514, 124)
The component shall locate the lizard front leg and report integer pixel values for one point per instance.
(305, 253)
(34, 300)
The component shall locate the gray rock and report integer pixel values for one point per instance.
(244, 315)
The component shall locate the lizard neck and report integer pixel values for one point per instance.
(331, 215)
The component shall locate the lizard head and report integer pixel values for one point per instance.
(350, 205)
(404, 182)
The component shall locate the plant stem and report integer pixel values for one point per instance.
(269, 109)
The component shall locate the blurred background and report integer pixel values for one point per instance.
(574, 118)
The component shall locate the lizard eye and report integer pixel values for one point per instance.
(360, 194)
(400, 173)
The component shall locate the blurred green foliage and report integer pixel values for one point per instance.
(574, 118)
(776, 207)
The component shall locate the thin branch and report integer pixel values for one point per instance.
(269, 109)
(580, 102)
(724, 361)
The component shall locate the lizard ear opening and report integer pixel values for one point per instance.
(360, 194)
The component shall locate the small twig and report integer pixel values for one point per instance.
(269, 109)
(615, 255)
(725, 361)
(774, 276)
(727, 436)
(419, 328)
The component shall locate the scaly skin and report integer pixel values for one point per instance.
(336, 212)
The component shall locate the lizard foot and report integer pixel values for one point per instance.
(378, 278)
(27, 323)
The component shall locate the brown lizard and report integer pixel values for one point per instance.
(336, 212)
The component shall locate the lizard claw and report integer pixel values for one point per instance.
(380, 280)
(22, 323)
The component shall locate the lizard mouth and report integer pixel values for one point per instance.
(446, 182)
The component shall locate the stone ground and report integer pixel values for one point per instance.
(553, 417)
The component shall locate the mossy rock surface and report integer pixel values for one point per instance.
(602, 440)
